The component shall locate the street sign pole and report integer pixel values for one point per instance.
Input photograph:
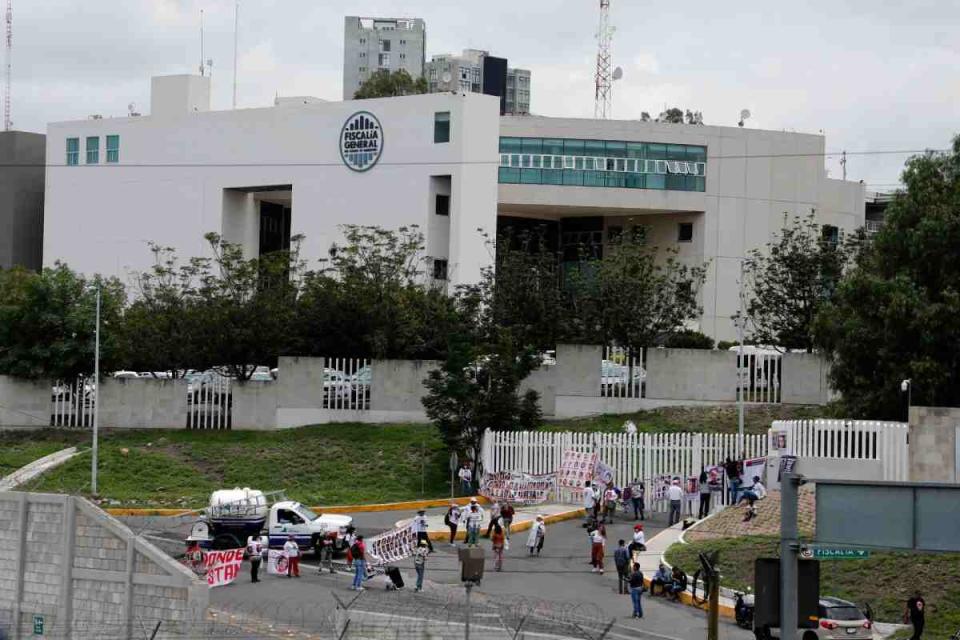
(789, 545)
(96, 402)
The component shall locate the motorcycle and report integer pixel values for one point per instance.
(743, 609)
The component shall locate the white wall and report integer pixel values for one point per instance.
(100, 218)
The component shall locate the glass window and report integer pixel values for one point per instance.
(700, 184)
(554, 146)
(635, 181)
(73, 151)
(573, 147)
(509, 176)
(113, 149)
(439, 269)
(593, 179)
(550, 176)
(617, 149)
(530, 176)
(511, 145)
(657, 151)
(531, 145)
(656, 181)
(621, 164)
(93, 150)
(676, 152)
(636, 150)
(578, 162)
(441, 127)
(524, 160)
(384, 45)
(594, 148)
(696, 154)
(443, 205)
(573, 178)
(685, 232)
(616, 179)
(504, 160)
(515, 160)
(675, 182)
(631, 166)
(536, 161)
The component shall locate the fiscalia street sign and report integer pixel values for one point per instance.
(833, 553)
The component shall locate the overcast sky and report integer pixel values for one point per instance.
(871, 74)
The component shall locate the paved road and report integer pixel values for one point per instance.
(561, 574)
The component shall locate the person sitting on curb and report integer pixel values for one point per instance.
(678, 584)
(662, 578)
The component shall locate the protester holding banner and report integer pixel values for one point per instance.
(292, 550)
(733, 469)
(609, 504)
(452, 520)
(538, 532)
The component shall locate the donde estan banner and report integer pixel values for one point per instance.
(222, 567)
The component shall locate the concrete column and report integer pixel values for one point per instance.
(66, 586)
(21, 563)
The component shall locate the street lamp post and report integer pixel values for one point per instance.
(96, 400)
(907, 387)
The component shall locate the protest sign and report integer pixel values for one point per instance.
(576, 468)
(222, 567)
(391, 546)
(517, 488)
(692, 487)
(277, 563)
(603, 474)
(752, 467)
(660, 485)
(715, 477)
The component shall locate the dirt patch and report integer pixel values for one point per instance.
(729, 522)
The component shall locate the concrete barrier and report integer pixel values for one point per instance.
(691, 374)
(143, 403)
(24, 403)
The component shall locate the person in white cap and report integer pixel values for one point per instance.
(452, 520)
(537, 534)
(421, 527)
(474, 518)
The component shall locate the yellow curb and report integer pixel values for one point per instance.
(354, 508)
(520, 526)
(687, 598)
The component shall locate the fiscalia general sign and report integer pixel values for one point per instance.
(361, 141)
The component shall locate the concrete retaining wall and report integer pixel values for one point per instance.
(68, 563)
(691, 374)
(143, 403)
(397, 385)
(24, 403)
(935, 444)
(254, 405)
(803, 379)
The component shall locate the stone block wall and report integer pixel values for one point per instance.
(85, 573)
(934, 450)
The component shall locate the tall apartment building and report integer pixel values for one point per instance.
(476, 71)
(372, 44)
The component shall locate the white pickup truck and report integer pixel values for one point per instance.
(234, 515)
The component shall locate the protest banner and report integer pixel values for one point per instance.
(391, 546)
(576, 468)
(715, 477)
(752, 467)
(603, 474)
(276, 563)
(222, 567)
(517, 488)
(660, 485)
(692, 488)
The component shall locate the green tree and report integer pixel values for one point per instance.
(894, 315)
(48, 322)
(790, 281)
(388, 84)
(636, 296)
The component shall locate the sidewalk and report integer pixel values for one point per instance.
(522, 520)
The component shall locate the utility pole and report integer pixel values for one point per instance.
(789, 546)
(843, 164)
(741, 369)
(711, 581)
(8, 69)
(236, 40)
(466, 635)
(96, 400)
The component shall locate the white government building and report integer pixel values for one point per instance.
(446, 162)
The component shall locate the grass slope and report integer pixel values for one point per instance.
(885, 580)
(332, 464)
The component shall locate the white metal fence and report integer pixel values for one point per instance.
(72, 402)
(623, 373)
(644, 456)
(209, 402)
(346, 384)
(886, 442)
(759, 375)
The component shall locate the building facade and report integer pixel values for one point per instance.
(444, 161)
(260, 176)
(375, 44)
(21, 199)
(476, 71)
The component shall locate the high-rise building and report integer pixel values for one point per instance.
(476, 71)
(374, 44)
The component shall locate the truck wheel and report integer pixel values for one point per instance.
(810, 635)
(225, 541)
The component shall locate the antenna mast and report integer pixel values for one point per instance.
(603, 107)
(236, 25)
(8, 71)
(201, 42)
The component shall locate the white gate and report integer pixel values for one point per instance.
(209, 402)
(644, 456)
(72, 402)
(886, 442)
(759, 377)
(346, 384)
(623, 373)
